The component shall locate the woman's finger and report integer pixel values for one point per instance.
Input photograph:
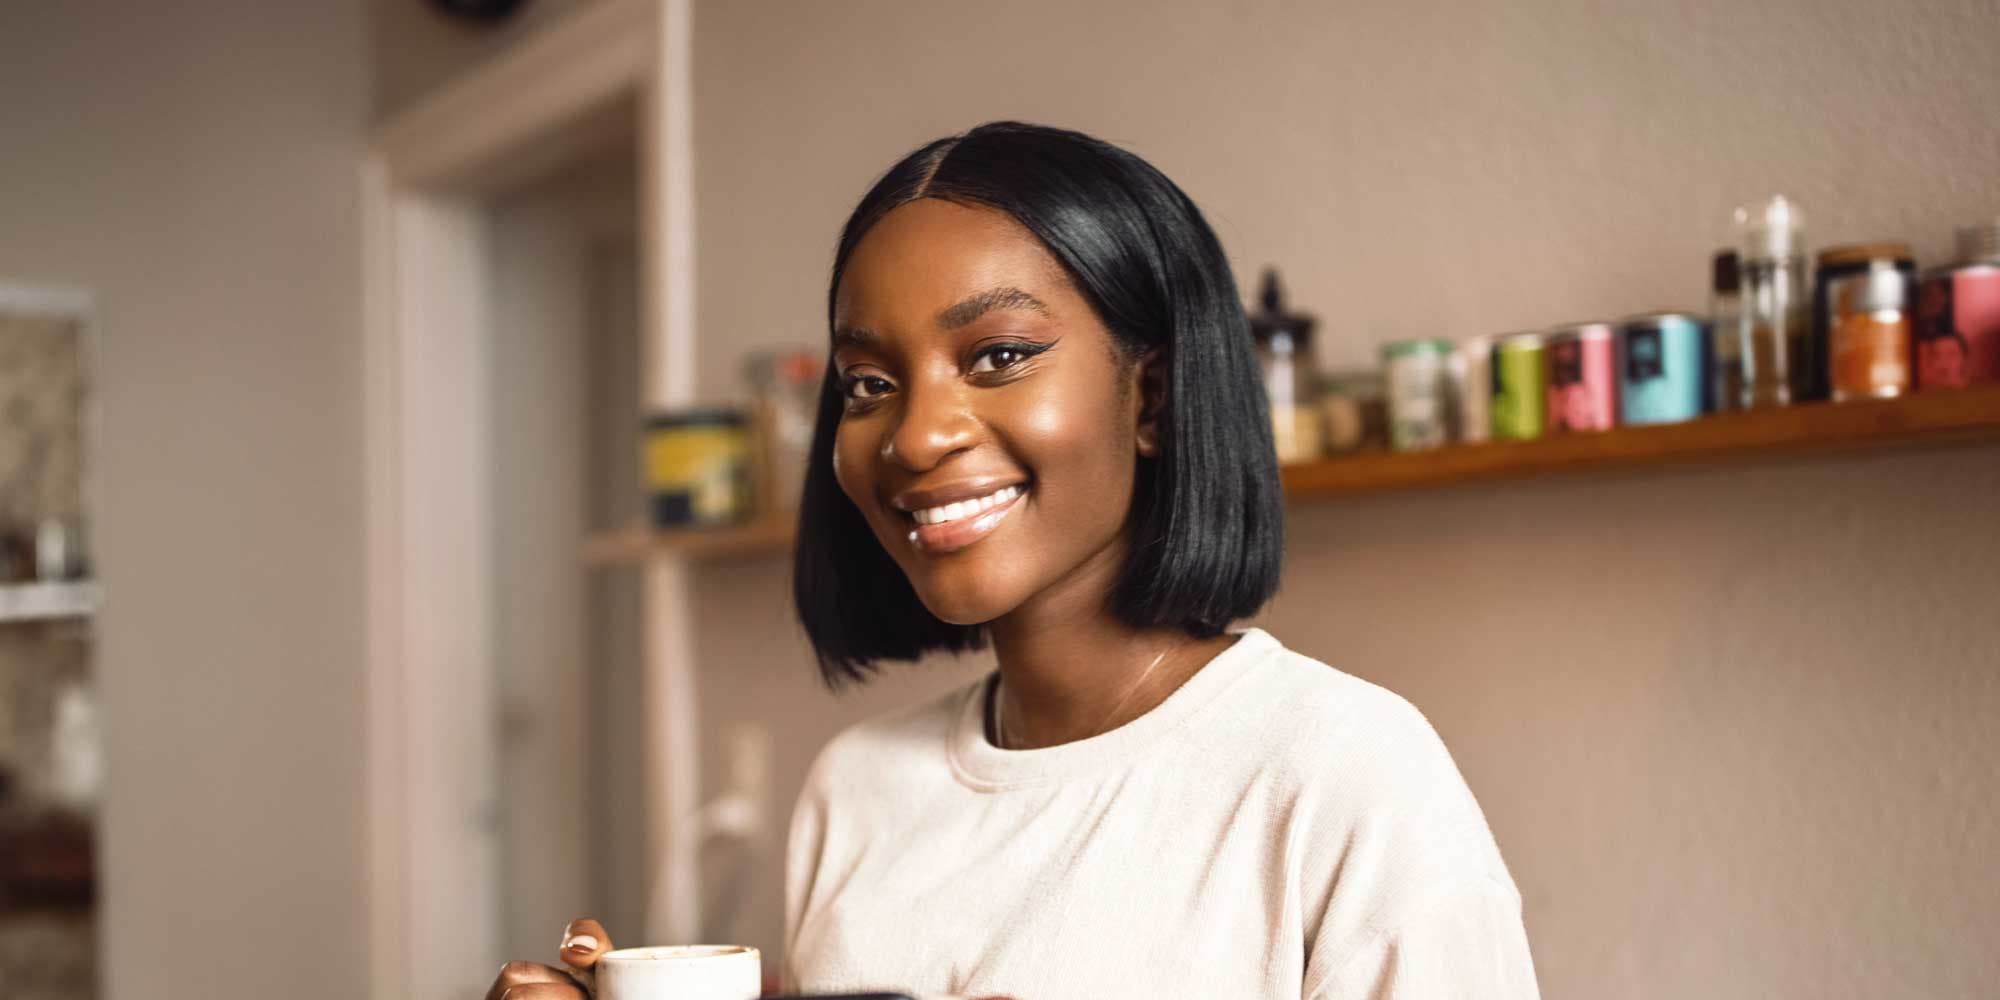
(545, 991)
(583, 943)
(514, 975)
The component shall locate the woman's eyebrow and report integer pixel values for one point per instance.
(980, 304)
(855, 337)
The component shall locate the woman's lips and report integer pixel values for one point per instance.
(950, 536)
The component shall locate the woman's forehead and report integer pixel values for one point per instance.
(926, 257)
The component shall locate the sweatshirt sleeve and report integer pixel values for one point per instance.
(1469, 944)
(1406, 896)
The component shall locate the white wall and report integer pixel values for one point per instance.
(1732, 727)
(196, 166)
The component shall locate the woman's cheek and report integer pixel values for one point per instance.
(850, 473)
(1070, 441)
(1039, 421)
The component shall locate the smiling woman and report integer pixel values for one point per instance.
(1042, 431)
(1027, 309)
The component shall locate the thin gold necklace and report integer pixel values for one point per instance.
(1000, 717)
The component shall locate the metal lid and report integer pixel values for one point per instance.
(1593, 330)
(1662, 317)
(1526, 340)
(1852, 254)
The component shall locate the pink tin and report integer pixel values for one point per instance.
(1583, 377)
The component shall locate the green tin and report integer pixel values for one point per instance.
(1520, 388)
(1421, 345)
(1419, 383)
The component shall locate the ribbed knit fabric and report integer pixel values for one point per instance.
(1274, 829)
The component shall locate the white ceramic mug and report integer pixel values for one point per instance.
(683, 972)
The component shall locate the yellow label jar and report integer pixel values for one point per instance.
(697, 467)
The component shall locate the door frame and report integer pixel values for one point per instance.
(622, 66)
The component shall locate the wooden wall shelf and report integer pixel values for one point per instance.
(1813, 429)
(1807, 429)
(631, 545)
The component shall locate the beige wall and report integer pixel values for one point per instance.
(414, 48)
(1732, 727)
(195, 166)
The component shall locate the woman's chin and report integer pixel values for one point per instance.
(964, 605)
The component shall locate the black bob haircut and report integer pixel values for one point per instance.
(1207, 518)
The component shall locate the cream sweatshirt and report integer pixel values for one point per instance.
(1274, 829)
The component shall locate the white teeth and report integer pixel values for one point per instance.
(965, 508)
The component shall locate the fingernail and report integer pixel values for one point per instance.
(582, 942)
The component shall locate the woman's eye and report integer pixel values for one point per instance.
(999, 358)
(866, 386)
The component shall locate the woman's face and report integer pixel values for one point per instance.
(991, 427)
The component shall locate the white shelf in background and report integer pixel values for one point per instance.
(21, 602)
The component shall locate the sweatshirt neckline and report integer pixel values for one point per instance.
(979, 764)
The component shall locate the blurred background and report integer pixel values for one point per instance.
(342, 652)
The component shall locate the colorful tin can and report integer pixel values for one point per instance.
(1519, 405)
(698, 467)
(1583, 377)
(1472, 378)
(1862, 302)
(1419, 393)
(1664, 378)
(1958, 315)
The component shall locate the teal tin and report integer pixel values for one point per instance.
(1663, 362)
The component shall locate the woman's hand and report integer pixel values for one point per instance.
(583, 942)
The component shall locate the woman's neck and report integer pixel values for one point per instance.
(1070, 670)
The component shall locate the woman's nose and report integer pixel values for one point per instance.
(934, 423)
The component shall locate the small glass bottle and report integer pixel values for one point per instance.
(1776, 322)
(1285, 354)
(1725, 317)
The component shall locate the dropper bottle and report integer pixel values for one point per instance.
(1284, 341)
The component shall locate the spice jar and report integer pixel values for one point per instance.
(784, 392)
(1355, 412)
(1285, 356)
(698, 467)
(1518, 405)
(1421, 409)
(1472, 380)
(1862, 305)
(1725, 344)
(1958, 321)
